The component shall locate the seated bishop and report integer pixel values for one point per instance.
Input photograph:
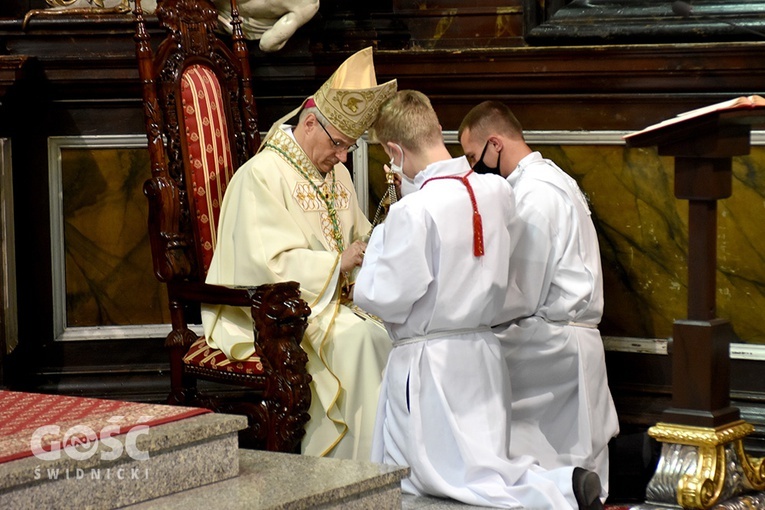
(291, 213)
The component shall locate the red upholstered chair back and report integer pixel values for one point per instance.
(201, 125)
(209, 152)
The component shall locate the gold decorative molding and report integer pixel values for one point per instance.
(701, 467)
(702, 488)
(700, 436)
(754, 468)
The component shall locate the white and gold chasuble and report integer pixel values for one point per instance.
(282, 220)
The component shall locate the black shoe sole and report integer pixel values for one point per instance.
(586, 485)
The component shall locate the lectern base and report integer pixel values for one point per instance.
(704, 467)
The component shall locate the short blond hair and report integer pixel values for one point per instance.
(407, 118)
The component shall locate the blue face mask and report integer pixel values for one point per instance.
(407, 184)
(482, 168)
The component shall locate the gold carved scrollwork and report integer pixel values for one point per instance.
(703, 487)
(754, 468)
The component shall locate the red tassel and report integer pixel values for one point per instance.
(477, 234)
(477, 222)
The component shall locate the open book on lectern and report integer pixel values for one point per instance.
(738, 103)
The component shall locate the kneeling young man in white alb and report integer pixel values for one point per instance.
(436, 273)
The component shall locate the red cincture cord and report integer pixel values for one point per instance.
(477, 223)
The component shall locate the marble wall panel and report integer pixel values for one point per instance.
(643, 232)
(108, 276)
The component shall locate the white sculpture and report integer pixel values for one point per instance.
(273, 22)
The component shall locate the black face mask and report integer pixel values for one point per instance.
(482, 168)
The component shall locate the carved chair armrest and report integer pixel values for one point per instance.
(211, 294)
(278, 311)
(280, 317)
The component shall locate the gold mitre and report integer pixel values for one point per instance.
(351, 98)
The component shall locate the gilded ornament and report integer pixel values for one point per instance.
(709, 477)
(700, 436)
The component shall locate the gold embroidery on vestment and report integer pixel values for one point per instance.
(324, 197)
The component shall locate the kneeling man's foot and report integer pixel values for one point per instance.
(587, 488)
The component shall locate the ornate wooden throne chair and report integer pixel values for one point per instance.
(201, 126)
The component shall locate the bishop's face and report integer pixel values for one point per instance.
(326, 146)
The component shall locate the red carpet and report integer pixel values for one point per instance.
(75, 420)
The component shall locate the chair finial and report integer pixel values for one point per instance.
(236, 22)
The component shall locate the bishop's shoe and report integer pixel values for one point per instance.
(586, 485)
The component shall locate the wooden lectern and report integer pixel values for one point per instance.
(703, 461)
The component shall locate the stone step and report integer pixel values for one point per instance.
(161, 460)
(195, 463)
(269, 480)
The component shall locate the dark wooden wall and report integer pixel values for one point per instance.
(558, 67)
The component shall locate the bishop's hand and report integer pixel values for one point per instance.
(352, 256)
